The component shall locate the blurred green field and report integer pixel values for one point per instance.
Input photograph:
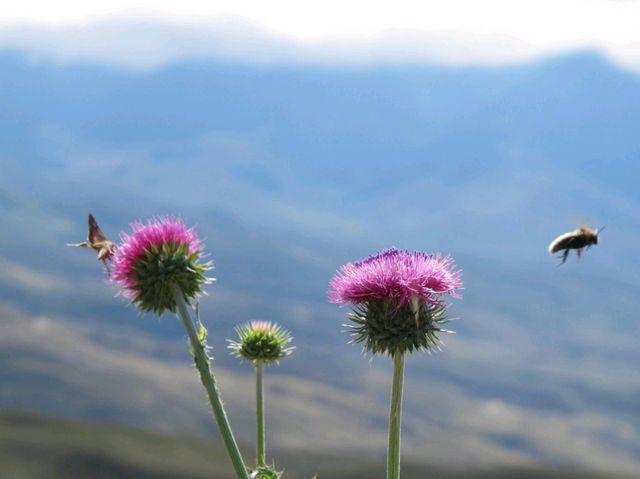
(38, 447)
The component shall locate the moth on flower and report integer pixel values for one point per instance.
(97, 241)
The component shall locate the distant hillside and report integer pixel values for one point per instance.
(97, 371)
(37, 447)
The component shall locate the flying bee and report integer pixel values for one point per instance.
(579, 239)
(97, 241)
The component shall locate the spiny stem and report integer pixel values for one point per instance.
(395, 416)
(201, 359)
(260, 429)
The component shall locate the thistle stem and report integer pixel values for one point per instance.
(395, 416)
(202, 362)
(260, 429)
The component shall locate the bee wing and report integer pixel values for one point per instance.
(563, 241)
(95, 234)
(583, 223)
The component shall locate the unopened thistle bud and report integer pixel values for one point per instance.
(397, 298)
(265, 472)
(261, 341)
(156, 256)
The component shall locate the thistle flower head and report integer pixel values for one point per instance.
(397, 276)
(155, 256)
(397, 298)
(261, 341)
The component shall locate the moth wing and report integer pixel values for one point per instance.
(95, 234)
(84, 244)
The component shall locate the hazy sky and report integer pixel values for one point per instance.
(451, 31)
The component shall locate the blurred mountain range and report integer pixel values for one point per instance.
(37, 447)
(289, 172)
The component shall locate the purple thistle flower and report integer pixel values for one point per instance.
(395, 275)
(397, 298)
(155, 256)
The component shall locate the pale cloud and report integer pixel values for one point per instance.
(151, 33)
(14, 274)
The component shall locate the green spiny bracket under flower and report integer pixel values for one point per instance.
(266, 472)
(387, 328)
(261, 341)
